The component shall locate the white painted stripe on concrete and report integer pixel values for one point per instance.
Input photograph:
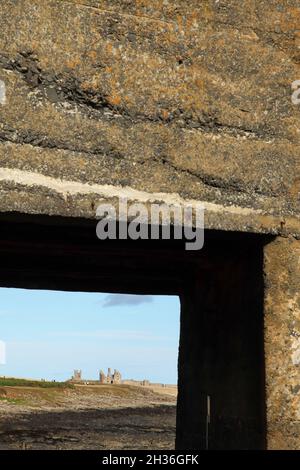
(2, 92)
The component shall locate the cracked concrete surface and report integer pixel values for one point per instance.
(175, 101)
(282, 347)
(188, 98)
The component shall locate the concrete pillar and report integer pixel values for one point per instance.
(282, 342)
(221, 355)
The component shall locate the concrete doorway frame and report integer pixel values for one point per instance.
(221, 289)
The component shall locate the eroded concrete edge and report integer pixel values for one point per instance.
(76, 197)
(282, 343)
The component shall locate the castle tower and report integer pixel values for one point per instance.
(117, 378)
(102, 377)
(77, 375)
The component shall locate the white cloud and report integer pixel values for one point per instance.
(115, 300)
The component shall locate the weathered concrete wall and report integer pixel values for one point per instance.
(282, 343)
(155, 100)
(176, 101)
(221, 352)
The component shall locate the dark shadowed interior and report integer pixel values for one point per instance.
(221, 393)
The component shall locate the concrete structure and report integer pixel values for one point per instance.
(177, 102)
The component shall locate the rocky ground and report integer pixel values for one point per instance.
(86, 417)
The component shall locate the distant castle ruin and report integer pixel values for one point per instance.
(76, 377)
(114, 378)
(110, 378)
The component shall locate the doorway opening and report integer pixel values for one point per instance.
(60, 347)
(221, 396)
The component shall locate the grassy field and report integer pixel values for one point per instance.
(31, 393)
(12, 382)
(50, 415)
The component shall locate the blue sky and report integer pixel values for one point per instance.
(50, 333)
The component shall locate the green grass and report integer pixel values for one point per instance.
(12, 382)
(14, 401)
